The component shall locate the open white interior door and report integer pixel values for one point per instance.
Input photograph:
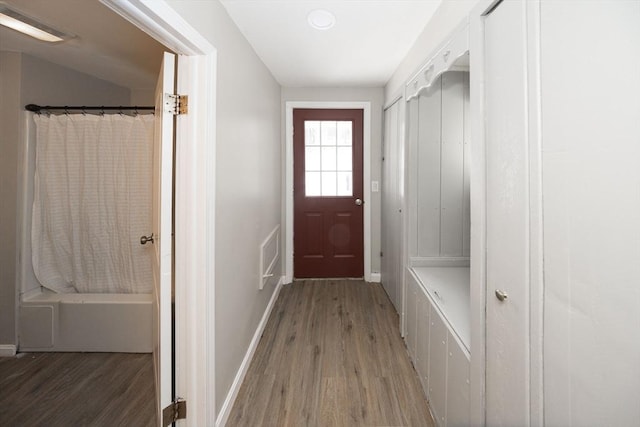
(162, 230)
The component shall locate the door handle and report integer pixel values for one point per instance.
(501, 295)
(359, 202)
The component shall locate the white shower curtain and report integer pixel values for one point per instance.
(92, 203)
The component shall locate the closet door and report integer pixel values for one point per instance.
(591, 182)
(393, 159)
(507, 321)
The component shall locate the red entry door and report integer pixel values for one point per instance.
(328, 205)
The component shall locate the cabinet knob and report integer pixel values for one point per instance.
(501, 295)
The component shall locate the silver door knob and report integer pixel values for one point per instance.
(501, 295)
(359, 202)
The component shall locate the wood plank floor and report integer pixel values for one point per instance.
(77, 389)
(331, 355)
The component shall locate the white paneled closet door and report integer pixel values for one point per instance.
(392, 233)
(507, 321)
(590, 88)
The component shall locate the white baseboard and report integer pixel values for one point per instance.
(225, 411)
(376, 277)
(7, 350)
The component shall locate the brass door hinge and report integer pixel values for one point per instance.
(176, 104)
(177, 410)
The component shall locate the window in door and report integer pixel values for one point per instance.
(328, 158)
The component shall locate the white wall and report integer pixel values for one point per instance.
(444, 21)
(10, 66)
(23, 80)
(248, 190)
(375, 97)
(46, 83)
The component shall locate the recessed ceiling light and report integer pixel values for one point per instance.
(17, 21)
(321, 19)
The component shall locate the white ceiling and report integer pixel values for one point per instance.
(364, 48)
(105, 46)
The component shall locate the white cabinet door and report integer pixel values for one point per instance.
(507, 322)
(457, 386)
(422, 347)
(411, 336)
(438, 368)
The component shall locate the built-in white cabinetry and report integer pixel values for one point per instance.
(440, 358)
(436, 309)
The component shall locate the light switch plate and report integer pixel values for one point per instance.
(374, 187)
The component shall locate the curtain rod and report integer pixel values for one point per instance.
(39, 108)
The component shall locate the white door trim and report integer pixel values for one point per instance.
(366, 179)
(195, 202)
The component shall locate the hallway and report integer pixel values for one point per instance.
(331, 355)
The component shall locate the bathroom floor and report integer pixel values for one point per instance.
(79, 389)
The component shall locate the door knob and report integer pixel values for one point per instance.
(501, 295)
(359, 202)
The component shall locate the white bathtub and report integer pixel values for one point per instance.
(86, 322)
(71, 322)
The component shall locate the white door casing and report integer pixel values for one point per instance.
(195, 201)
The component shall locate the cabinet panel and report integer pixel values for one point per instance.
(457, 385)
(429, 111)
(452, 157)
(411, 319)
(412, 172)
(422, 349)
(438, 368)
